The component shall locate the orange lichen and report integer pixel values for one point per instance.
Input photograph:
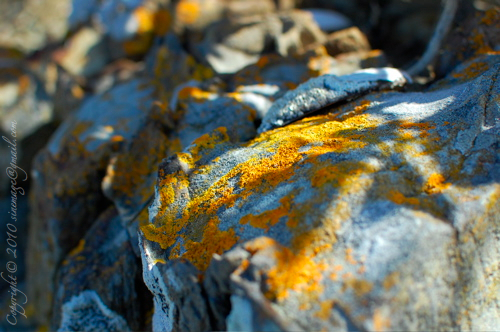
(214, 241)
(435, 184)
(391, 280)
(145, 18)
(380, 321)
(77, 92)
(292, 272)
(325, 309)
(195, 93)
(78, 249)
(207, 142)
(268, 218)
(162, 22)
(276, 161)
(348, 256)
(398, 198)
(360, 287)
(473, 70)
(188, 11)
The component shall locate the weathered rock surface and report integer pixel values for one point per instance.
(292, 192)
(83, 302)
(373, 215)
(67, 195)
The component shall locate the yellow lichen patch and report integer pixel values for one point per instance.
(188, 11)
(361, 287)
(162, 235)
(325, 309)
(139, 44)
(162, 22)
(194, 93)
(473, 70)
(78, 249)
(348, 256)
(277, 158)
(263, 61)
(380, 321)
(435, 184)
(391, 280)
(214, 241)
(145, 18)
(77, 92)
(293, 272)
(207, 142)
(270, 218)
(398, 198)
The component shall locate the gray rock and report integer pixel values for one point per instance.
(67, 175)
(378, 214)
(230, 46)
(29, 25)
(327, 90)
(86, 312)
(97, 287)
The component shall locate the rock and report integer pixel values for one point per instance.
(377, 214)
(483, 39)
(29, 25)
(85, 54)
(327, 90)
(229, 46)
(86, 312)
(129, 25)
(24, 101)
(66, 194)
(347, 40)
(97, 285)
(329, 20)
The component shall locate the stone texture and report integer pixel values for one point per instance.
(292, 192)
(66, 196)
(82, 301)
(229, 46)
(29, 25)
(373, 215)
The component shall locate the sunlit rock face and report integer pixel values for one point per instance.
(281, 178)
(378, 214)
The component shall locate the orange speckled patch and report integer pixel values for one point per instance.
(360, 287)
(279, 155)
(325, 309)
(162, 22)
(268, 218)
(78, 249)
(188, 11)
(435, 184)
(398, 198)
(145, 18)
(293, 272)
(380, 321)
(214, 241)
(391, 280)
(195, 93)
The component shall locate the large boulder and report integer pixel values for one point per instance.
(376, 214)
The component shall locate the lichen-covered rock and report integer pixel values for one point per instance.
(66, 194)
(377, 214)
(82, 300)
(328, 90)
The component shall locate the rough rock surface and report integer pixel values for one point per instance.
(348, 207)
(228, 165)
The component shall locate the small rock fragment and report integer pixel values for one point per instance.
(326, 90)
